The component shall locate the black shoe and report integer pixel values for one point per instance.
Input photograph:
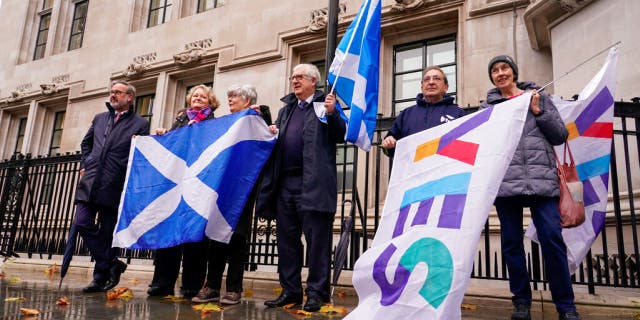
(94, 286)
(159, 291)
(283, 300)
(313, 304)
(571, 315)
(188, 294)
(114, 274)
(521, 312)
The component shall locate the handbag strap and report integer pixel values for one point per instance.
(564, 158)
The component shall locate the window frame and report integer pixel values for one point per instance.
(424, 45)
(216, 4)
(58, 126)
(40, 33)
(75, 20)
(149, 114)
(22, 128)
(165, 4)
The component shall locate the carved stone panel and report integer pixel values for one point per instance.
(139, 65)
(320, 17)
(193, 52)
(403, 5)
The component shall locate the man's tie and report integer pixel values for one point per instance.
(302, 104)
(118, 114)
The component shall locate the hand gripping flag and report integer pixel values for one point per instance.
(354, 74)
(440, 193)
(191, 181)
(589, 120)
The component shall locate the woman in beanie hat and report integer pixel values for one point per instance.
(531, 181)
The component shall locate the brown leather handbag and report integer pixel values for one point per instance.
(571, 191)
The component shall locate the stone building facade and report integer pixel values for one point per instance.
(59, 56)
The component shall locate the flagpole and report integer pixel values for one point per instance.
(580, 65)
(346, 51)
(332, 37)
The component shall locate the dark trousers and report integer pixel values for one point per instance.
(234, 253)
(317, 228)
(546, 218)
(98, 236)
(194, 264)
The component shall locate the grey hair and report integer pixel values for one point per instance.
(130, 88)
(310, 71)
(246, 91)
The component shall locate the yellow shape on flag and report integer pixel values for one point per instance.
(573, 131)
(426, 149)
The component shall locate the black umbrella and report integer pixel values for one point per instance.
(69, 248)
(340, 255)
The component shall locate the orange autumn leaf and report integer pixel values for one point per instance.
(289, 306)
(465, 306)
(2, 274)
(63, 301)
(301, 313)
(248, 293)
(29, 312)
(331, 309)
(15, 299)
(207, 308)
(278, 291)
(341, 294)
(133, 281)
(14, 279)
(123, 293)
(51, 269)
(173, 298)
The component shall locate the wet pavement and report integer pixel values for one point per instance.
(40, 291)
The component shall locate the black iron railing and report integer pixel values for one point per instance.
(36, 211)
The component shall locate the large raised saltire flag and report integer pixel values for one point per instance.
(442, 187)
(192, 181)
(354, 74)
(589, 120)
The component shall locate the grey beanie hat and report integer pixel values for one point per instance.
(506, 59)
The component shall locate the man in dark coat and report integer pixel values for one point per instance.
(432, 108)
(105, 153)
(299, 188)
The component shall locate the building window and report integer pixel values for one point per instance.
(410, 59)
(204, 5)
(22, 126)
(56, 135)
(43, 33)
(322, 83)
(144, 106)
(159, 11)
(345, 155)
(77, 24)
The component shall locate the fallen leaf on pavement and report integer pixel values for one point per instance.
(29, 312)
(302, 313)
(465, 306)
(207, 308)
(14, 279)
(289, 306)
(278, 290)
(63, 301)
(173, 298)
(341, 294)
(51, 269)
(248, 293)
(331, 309)
(1, 274)
(13, 299)
(133, 281)
(123, 293)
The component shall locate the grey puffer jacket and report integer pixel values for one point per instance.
(533, 169)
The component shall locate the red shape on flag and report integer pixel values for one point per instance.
(461, 151)
(599, 130)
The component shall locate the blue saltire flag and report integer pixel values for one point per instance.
(354, 74)
(191, 182)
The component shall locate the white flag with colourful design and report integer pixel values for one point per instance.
(440, 193)
(589, 120)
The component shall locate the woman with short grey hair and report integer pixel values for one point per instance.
(246, 91)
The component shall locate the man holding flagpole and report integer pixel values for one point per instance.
(299, 187)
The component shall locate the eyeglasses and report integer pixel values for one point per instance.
(297, 77)
(434, 78)
(117, 92)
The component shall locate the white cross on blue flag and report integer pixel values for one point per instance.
(191, 182)
(354, 74)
